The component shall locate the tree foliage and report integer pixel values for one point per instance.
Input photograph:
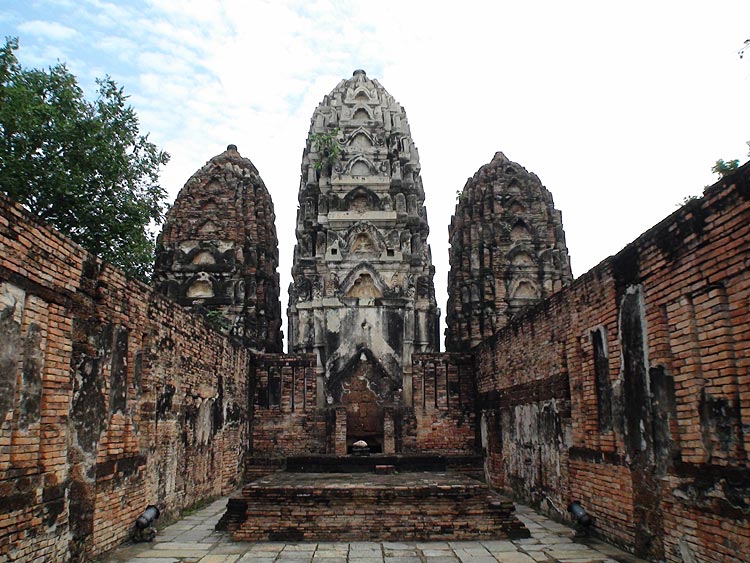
(82, 166)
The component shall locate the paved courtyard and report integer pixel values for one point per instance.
(193, 540)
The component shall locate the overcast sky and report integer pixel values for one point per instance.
(621, 108)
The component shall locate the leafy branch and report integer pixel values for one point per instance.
(722, 167)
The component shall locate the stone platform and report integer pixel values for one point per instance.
(287, 506)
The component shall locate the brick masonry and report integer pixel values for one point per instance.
(112, 398)
(286, 420)
(629, 389)
(443, 418)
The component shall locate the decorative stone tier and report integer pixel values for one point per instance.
(370, 507)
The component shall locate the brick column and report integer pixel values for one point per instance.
(339, 436)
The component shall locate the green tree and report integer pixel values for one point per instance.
(82, 166)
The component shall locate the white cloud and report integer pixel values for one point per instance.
(122, 47)
(50, 30)
(109, 14)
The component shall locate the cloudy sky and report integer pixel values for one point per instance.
(621, 108)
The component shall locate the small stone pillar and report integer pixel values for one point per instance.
(389, 432)
(339, 432)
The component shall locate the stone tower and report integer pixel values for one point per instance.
(218, 251)
(362, 297)
(507, 251)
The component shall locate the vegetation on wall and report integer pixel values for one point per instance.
(83, 166)
(328, 147)
(722, 167)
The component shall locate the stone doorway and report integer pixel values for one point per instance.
(364, 412)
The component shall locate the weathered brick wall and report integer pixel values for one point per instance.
(286, 419)
(705, 516)
(630, 391)
(444, 418)
(111, 398)
(605, 482)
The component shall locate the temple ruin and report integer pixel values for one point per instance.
(626, 389)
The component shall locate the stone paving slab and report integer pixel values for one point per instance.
(193, 540)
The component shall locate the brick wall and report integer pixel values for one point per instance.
(629, 390)
(111, 398)
(286, 420)
(444, 418)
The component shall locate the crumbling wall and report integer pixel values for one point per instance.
(524, 401)
(630, 390)
(112, 398)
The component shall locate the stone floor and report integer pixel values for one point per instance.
(193, 540)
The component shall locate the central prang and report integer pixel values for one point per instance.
(362, 297)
